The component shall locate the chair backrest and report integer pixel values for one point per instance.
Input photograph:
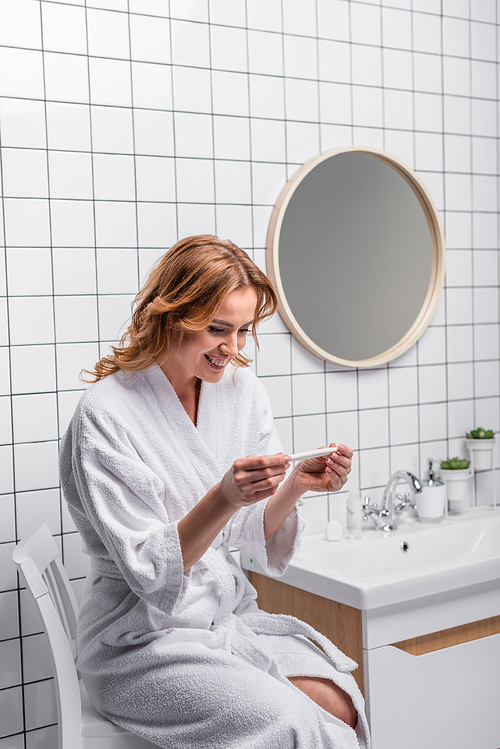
(37, 558)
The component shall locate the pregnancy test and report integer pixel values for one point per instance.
(313, 453)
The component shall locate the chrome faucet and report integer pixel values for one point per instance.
(384, 517)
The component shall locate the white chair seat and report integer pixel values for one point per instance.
(93, 723)
(100, 733)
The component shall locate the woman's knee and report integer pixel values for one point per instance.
(329, 696)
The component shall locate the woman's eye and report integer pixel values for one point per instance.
(219, 331)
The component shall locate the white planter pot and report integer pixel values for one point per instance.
(481, 452)
(457, 489)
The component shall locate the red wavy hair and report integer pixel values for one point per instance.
(186, 287)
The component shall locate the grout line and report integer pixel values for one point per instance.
(134, 154)
(212, 122)
(13, 489)
(174, 140)
(91, 135)
(471, 183)
(445, 286)
(120, 155)
(250, 144)
(49, 208)
(127, 108)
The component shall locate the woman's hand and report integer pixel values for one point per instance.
(252, 479)
(325, 474)
(249, 480)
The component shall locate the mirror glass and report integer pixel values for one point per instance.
(356, 253)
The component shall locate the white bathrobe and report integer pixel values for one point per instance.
(187, 659)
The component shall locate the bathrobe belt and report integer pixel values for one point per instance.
(262, 623)
(238, 633)
(240, 627)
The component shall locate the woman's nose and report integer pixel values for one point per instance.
(230, 346)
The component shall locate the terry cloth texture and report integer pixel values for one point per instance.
(187, 659)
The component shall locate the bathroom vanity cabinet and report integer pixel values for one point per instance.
(429, 668)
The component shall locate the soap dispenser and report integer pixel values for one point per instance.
(431, 501)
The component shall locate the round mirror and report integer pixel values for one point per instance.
(355, 250)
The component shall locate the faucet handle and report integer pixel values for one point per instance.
(405, 502)
(372, 511)
(367, 507)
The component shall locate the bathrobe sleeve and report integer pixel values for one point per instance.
(120, 506)
(245, 530)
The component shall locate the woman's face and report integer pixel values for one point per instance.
(206, 353)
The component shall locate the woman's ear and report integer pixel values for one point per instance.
(176, 331)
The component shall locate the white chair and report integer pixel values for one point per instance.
(80, 726)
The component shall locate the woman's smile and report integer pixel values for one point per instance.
(217, 363)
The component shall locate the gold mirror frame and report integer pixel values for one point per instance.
(438, 258)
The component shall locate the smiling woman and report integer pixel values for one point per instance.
(183, 293)
(199, 356)
(171, 459)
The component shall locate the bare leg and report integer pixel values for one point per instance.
(329, 696)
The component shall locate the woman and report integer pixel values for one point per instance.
(171, 458)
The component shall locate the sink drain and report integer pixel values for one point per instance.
(404, 546)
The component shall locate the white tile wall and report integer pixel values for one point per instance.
(127, 124)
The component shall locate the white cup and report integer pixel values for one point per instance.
(354, 515)
(431, 503)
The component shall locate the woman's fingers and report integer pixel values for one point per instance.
(260, 475)
(263, 462)
(340, 463)
(329, 473)
(317, 464)
(341, 458)
(254, 478)
(345, 452)
(253, 469)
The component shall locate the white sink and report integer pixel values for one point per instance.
(381, 569)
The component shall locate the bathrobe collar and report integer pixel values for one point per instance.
(202, 438)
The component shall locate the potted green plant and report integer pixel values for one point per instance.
(456, 473)
(480, 443)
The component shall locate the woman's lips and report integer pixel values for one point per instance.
(216, 363)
